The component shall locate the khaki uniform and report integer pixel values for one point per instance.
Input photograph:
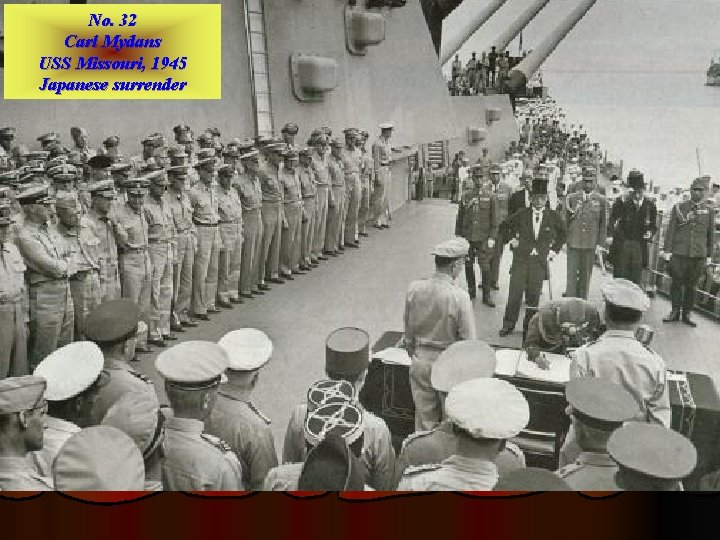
(272, 218)
(437, 313)
(247, 431)
(85, 282)
(18, 474)
(231, 237)
(294, 215)
(455, 473)
(382, 154)
(195, 461)
(13, 313)
(283, 477)
(51, 306)
(378, 454)
(592, 471)
(251, 199)
(366, 189)
(184, 250)
(161, 232)
(56, 433)
(134, 259)
(322, 182)
(336, 202)
(107, 252)
(204, 202)
(123, 380)
(586, 219)
(434, 446)
(352, 164)
(309, 196)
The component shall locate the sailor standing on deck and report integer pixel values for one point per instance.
(437, 314)
(689, 245)
(382, 154)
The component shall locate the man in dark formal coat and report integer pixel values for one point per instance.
(536, 235)
(633, 223)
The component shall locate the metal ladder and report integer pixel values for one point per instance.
(259, 69)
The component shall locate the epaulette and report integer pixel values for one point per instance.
(415, 469)
(217, 442)
(140, 376)
(414, 436)
(567, 470)
(254, 409)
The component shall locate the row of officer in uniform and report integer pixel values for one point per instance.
(169, 238)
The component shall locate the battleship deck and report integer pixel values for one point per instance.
(366, 288)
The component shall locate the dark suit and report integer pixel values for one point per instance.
(529, 266)
(628, 224)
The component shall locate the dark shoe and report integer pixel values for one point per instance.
(341, 248)
(505, 331)
(190, 324)
(305, 269)
(352, 245)
(236, 301)
(488, 302)
(650, 293)
(215, 310)
(301, 271)
(263, 287)
(170, 337)
(157, 343)
(323, 257)
(564, 295)
(259, 293)
(378, 226)
(222, 304)
(495, 287)
(275, 280)
(142, 350)
(247, 295)
(288, 277)
(330, 253)
(385, 226)
(673, 317)
(177, 327)
(364, 234)
(202, 317)
(687, 320)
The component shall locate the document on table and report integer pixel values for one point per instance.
(393, 355)
(515, 362)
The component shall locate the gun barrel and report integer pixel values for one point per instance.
(511, 32)
(469, 27)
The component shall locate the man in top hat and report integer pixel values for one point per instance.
(689, 248)
(22, 413)
(633, 223)
(178, 202)
(234, 417)
(437, 313)
(319, 158)
(462, 361)
(273, 217)
(651, 458)
(46, 256)
(134, 260)
(586, 219)
(204, 202)
(195, 461)
(161, 236)
(382, 156)
(114, 326)
(250, 192)
(103, 223)
(536, 235)
(13, 301)
(139, 416)
(352, 163)
(485, 413)
(597, 408)
(347, 358)
(477, 221)
(294, 213)
(230, 226)
(502, 192)
(521, 198)
(84, 256)
(74, 375)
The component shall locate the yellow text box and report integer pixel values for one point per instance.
(112, 51)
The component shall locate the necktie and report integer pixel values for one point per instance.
(537, 217)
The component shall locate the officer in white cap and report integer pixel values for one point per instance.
(114, 327)
(99, 458)
(347, 356)
(437, 313)
(461, 361)
(485, 413)
(382, 156)
(234, 418)
(140, 417)
(195, 461)
(74, 375)
(344, 418)
(619, 357)
(22, 412)
(651, 457)
(597, 408)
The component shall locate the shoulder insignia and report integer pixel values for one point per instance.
(567, 470)
(217, 442)
(416, 469)
(254, 409)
